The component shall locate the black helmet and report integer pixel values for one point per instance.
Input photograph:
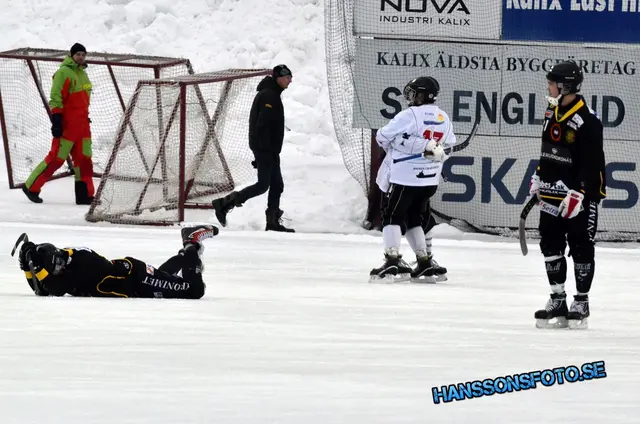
(51, 258)
(568, 76)
(421, 90)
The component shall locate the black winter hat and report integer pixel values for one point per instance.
(77, 47)
(281, 71)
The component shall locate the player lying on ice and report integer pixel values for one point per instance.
(51, 271)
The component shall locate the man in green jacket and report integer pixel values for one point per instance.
(71, 130)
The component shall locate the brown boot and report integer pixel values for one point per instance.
(274, 221)
(223, 206)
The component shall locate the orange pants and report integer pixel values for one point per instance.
(75, 141)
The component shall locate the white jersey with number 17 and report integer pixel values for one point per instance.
(407, 134)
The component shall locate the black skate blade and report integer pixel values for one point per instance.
(551, 324)
(579, 324)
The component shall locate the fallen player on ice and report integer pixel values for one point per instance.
(82, 272)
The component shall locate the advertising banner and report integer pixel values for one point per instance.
(601, 21)
(427, 18)
(504, 85)
(487, 184)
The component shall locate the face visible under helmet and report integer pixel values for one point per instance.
(568, 77)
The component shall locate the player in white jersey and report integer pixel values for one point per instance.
(422, 129)
(435, 272)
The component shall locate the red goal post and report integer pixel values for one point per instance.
(193, 147)
(25, 83)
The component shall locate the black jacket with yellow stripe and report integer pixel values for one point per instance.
(572, 153)
(86, 274)
(266, 119)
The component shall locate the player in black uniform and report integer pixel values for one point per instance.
(570, 182)
(82, 272)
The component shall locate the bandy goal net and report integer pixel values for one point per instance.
(374, 48)
(26, 75)
(181, 142)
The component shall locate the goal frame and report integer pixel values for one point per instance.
(179, 113)
(30, 55)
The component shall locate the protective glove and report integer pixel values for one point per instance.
(56, 125)
(27, 248)
(534, 186)
(435, 151)
(571, 205)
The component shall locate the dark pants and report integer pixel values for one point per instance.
(269, 178)
(177, 278)
(578, 232)
(406, 205)
(428, 221)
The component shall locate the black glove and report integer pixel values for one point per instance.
(27, 248)
(56, 125)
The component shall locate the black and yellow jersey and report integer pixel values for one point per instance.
(572, 155)
(86, 274)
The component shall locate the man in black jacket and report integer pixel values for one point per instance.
(266, 133)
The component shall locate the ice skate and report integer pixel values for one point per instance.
(387, 272)
(554, 314)
(579, 313)
(439, 272)
(197, 233)
(424, 272)
(404, 270)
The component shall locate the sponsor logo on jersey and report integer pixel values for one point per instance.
(548, 114)
(570, 136)
(556, 132)
(572, 124)
(163, 284)
(548, 208)
(557, 154)
(421, 175)
(578, 120)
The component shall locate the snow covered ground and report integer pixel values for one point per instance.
(289, 330)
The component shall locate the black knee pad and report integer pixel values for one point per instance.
(552, 247)
(582, 252)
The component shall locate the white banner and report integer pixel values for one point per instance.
(478, 19)
(504, 85)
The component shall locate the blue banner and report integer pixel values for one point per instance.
(604, 21)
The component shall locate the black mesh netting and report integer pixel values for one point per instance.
(374, 48)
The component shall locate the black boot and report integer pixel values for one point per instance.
(554, 314)
(579, 312)
(223, 206)
(34, 197)
(82, 194)
(274, 221)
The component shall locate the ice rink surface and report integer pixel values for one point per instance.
(290, 331)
